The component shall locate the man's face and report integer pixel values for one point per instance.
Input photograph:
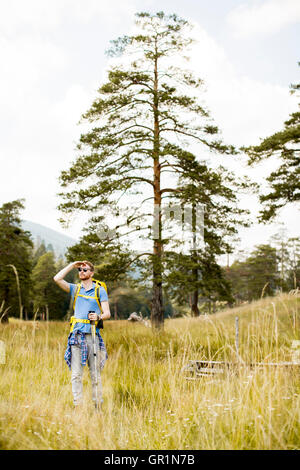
(85, 272)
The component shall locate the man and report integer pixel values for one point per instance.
(80, 345)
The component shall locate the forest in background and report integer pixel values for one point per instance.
(266, 271)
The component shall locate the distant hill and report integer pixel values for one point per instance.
(59, 241)
(40, 233)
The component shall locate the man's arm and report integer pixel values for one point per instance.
(106, 312)
(101, 316)
(59, 277)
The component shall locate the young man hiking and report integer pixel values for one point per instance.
(87, 297)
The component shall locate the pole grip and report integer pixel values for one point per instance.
(92, 322)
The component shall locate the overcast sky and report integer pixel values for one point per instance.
(53, 59)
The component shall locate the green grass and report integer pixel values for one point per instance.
(148, 403)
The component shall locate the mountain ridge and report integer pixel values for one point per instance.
(40, 233)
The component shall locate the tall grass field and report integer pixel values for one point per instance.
(149, 402)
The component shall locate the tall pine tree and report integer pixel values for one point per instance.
(144, 120)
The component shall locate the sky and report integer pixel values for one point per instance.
(52, 55)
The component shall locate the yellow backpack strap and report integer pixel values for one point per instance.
(99, 323)
(72, 323)
(76, 295)
(97, 291)
(77, 320)
(102, 284)
(97, 295)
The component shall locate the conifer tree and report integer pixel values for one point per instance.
(50, 300)
(258, 274)
(293, 269)
(284, 182)
(39, 250)
(144, 121)
(190, 279)
(199, 273)
(15, 258)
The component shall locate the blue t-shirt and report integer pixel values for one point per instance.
(84, 305)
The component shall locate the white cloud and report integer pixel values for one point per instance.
(244, 108)
(17, 15)
(249, 109)
(45, 15)
(26, 62)
(263, 18)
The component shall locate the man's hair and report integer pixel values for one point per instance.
(91, 266)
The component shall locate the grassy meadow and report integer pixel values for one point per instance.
(148, 401)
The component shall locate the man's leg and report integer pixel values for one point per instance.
(91, 364)
(76, 374)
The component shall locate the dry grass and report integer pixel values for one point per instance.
(148, 404)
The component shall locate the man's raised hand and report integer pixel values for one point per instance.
(77, 264)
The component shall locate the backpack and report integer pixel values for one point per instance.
(99, 323)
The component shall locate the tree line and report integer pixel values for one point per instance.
(27, 289)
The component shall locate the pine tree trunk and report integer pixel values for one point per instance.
(157, 314)
(157, 317)
(195, 310)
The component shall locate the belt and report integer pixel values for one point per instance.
(74, 320)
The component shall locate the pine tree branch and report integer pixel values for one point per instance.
(132, 231)
(147, 199)
(185, 133)
(130, 127)
(131, 219)
(139, 178)
(165, 190)
(138, 256)
(140, 139)
(136, 100)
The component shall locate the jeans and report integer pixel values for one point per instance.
(77, 371)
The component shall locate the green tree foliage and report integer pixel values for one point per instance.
(39, 250)
(144, 121)
(186, 286)
(50, 300)
(124, 300)
(217, 191)
(15, 249)
(110, 258)
(256, 275)
(293, 267)
(288, 255)
(284, 182)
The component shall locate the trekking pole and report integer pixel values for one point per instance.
(93, 327)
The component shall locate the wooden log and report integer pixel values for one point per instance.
(210, 368)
